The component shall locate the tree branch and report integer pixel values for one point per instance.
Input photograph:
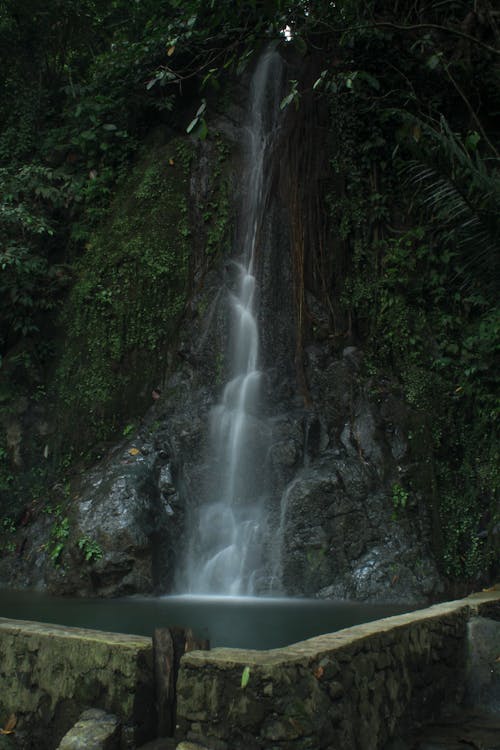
(414, 27)
(471, 110)
(439, 28)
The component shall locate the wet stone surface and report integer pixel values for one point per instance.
(481, 732)
(335, 455)
(49, 675)
(358, 688)
(94, 730)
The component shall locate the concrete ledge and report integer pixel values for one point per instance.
(50, 674)
(352, 689)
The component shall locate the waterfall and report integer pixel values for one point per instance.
(227, 530)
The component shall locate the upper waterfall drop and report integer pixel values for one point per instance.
(227, 529)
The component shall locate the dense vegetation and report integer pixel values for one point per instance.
(402, 240)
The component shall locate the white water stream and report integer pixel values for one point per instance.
(225, 547)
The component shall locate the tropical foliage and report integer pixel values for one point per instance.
(403, 223)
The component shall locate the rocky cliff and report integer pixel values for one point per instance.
(341, 522)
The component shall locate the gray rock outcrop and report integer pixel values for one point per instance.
(94, 730)
(345, 516)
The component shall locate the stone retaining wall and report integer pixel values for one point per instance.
(351, 690)
(50, 674)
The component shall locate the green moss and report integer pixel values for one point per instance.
(417, 332)
(428, 333)
(124, 310)
(216, 213)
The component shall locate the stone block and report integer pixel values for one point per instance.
(335, 691)
(95, 730)
(483, 664)
(50, 674)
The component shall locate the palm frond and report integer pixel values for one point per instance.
(460, 191)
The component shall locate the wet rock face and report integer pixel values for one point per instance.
(334, 528)
(123, 525)
(341, 533)
(117, 535)
(341, 520)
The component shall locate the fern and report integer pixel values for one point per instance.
(460, 189)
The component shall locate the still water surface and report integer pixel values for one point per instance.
(240, 622)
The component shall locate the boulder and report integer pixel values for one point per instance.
(119, 515)
(341, 532)
(51, 674)
(94, 730)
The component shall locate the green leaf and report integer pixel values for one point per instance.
(433, 62)
(472, 140)
(192, 124)
(319, 81)
(371, 80)
(201, 108)
(245, 676)
(208, 77)
(243, 62)
(201, 131)
(286, 101)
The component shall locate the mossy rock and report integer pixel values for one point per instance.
(123, 312)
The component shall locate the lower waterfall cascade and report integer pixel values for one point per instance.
(249, 316)
(272, 463)
(227, 530)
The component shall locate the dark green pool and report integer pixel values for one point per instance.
(243, 622)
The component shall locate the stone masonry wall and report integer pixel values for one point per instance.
(351, 690)
(50, 674)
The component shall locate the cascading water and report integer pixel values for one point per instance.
(228, 528)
